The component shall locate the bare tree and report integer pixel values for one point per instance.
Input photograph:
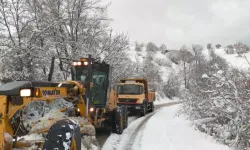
(197, 50)
(186, 57)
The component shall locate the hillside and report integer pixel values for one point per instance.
(160, 59)
(157, 66)
(232, 59)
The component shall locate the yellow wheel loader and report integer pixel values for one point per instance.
(93, 105)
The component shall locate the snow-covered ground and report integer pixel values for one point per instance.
(121, 142)
(163, 130)
(232, 59)
(166, 100)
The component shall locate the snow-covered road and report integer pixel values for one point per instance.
(162, 130)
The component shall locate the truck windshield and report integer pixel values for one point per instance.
(129, 89)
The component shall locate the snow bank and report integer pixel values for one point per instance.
(167, 131)
(165, 100)
(120, 142)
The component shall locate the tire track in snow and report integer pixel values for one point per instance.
(121, 142)
(138, 132)
(133, 134)
(138, 129)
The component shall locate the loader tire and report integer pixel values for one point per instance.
(152, 107)
(64, 134)
(144, 109)
(125, 118)
(117, 121)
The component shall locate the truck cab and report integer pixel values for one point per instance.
(135, 95)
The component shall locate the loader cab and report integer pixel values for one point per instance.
(99, 74)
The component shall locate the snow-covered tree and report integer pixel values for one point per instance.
(40, 39)
(241, 48)
(163, 48)
(186, 57)
(151, 47)
(209, 46)
(172, 87)
(218, 46)
(138, 46)
(229, 49)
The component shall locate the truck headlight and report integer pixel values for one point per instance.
(85, 63)
(25, 92)
(91, 109)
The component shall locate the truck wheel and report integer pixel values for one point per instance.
(125, 117)
(117, 121)
(64, 134)
(152, 107)
(144, 109)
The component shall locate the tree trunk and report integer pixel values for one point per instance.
(51, 70)
(185, 75)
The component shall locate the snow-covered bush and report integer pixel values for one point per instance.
(218, 101)
(163, 62)
(241, 48)
(218, 46)
(172, 87)
(229, 49)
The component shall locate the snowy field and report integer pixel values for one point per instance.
(163, 130)
(232, 59)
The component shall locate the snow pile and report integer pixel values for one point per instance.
(38, 114)
(167, 131)
(90, 143)
(38, 110)
(31, 137)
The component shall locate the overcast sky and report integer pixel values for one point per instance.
(178, 22)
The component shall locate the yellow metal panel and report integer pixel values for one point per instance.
(112, 99)
(5, 126)
(54, 92)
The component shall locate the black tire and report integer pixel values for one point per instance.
(125, 118)
(144, 109)
(117, 121)
(152, 107)
(61, 132)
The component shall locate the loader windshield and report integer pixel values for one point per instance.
(129, 89)
(100, 84)
(99, 88)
